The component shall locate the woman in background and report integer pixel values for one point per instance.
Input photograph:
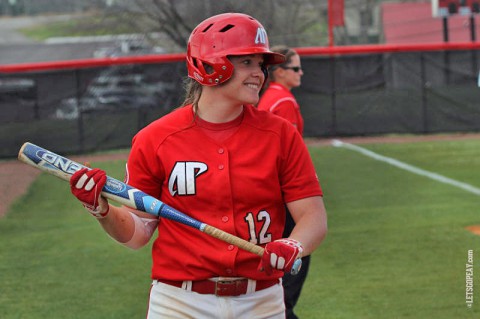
(277, 98)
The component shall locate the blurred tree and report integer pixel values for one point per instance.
(290, 22)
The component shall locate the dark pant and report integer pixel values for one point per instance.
(292, 284)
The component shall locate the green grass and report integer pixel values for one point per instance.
(56, 262)
(396, 246)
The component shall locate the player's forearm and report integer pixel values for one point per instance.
(310, 233)
(118, 223)
(311, 223)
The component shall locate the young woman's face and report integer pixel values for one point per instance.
(292, 73)
(247, 79)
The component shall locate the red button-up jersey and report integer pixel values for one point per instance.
(280, 101)
(239, 185)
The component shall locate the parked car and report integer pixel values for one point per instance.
(70, 108)
(115, 91)
(128, 48)
(136, 83)
(21, 88)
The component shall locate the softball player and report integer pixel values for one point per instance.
(278, 99)
(221, 161)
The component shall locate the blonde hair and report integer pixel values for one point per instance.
(193, 91)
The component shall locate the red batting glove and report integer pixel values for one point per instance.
(86, 185)
(281, 254)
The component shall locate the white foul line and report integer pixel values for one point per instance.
(407, 167)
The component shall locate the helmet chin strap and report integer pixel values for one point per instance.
(265, 73)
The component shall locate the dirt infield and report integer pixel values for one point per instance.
(16, 177)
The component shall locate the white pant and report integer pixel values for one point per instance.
(175, 303)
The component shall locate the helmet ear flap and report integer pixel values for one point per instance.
(204, 67)
(210, 74)
(199, 65)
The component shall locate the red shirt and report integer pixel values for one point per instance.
(280, 101)
(238, 185)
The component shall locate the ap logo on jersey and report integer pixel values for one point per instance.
(183, 176)
(261, 36)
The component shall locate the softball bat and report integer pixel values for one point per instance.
(122, 193)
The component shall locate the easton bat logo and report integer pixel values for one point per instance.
(62, 163)
(115, 187)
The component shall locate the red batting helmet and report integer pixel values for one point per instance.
(223, 35)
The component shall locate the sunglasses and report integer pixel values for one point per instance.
(293, 68)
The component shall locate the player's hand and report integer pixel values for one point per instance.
(281, 254)
(86, 185)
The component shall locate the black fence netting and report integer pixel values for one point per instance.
(87, 109)
(100, 108)
(409, 92)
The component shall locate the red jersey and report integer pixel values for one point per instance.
(278, 100)
(239, 185)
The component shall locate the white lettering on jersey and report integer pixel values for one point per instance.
(261, 36)
(182, 178)
(264, 220)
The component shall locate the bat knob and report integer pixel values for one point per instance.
(296, 267)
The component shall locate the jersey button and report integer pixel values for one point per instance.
(225, 219)
(221, 151)
(230, 247)
(221, 166)
(228, 271)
